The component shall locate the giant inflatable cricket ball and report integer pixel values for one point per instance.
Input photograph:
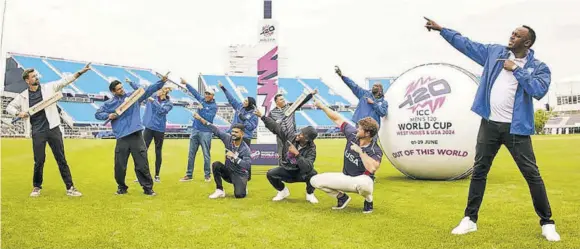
(430, 131)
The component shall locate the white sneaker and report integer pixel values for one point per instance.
(218, 194)
(73, 192)
(465, 226)
(549, 231)
(311, 198)
(282, 195)
(136, 180)
(35, 192)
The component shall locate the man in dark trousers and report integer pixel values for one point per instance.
(238, 161)
(511, 78)
(371, 103)
(128, 131)
(297, 158)
(154, 120)
(288, 123)
(45, 125)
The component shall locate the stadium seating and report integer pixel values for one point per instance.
(145, 75)
(80, 112)
(319, 117)
(212, 81)
(301, 121)
(554, 121)
(178, 94)
(180, 115)
(97, 81)
(248, 83)
(292, 88)
(325, 92)
(45, 72)
(347, 115)
(115, 73)
(90, 82)
(573, 120)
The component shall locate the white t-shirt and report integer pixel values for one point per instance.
(503, 93)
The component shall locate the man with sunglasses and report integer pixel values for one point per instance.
(128, 131)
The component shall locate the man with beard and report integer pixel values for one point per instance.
(287, 123)
(128, 131)
(512, 77)
(362, 158)
(244, 114)
(296, 160)
(237, 163)
(45, 125)
(370, 103)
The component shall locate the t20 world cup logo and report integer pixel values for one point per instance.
(426, 93)
(267, 30)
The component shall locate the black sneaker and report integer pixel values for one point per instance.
(149, 192)
(342, 202)
(122, 191)
(368, 207)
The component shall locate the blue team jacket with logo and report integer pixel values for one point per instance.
(364, 109)
(533, 80)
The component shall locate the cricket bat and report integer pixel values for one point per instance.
(41, 105)
(296, 103)
(129, 101)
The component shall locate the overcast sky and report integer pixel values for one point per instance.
(366, 38)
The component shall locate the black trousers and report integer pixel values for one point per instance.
(277, 176)
(134, 145)
(54, 139)
(489, 139)
(220, 171)
(149, 135)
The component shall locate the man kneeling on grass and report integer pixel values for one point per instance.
(362, 158)
(237, 162)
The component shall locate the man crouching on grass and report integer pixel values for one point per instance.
(237, 163)
(362, 158)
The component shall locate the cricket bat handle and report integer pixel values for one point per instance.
(16, 120)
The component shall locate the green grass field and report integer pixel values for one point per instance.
(408, 213)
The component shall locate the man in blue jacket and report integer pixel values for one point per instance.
(511, 78)
(244, 114)
(201, 135)
(370, 103)
(154, 120)
(238, 163)
(128, 131)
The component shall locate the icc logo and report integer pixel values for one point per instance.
(255, 154)
(268, 30)
(426, 92)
